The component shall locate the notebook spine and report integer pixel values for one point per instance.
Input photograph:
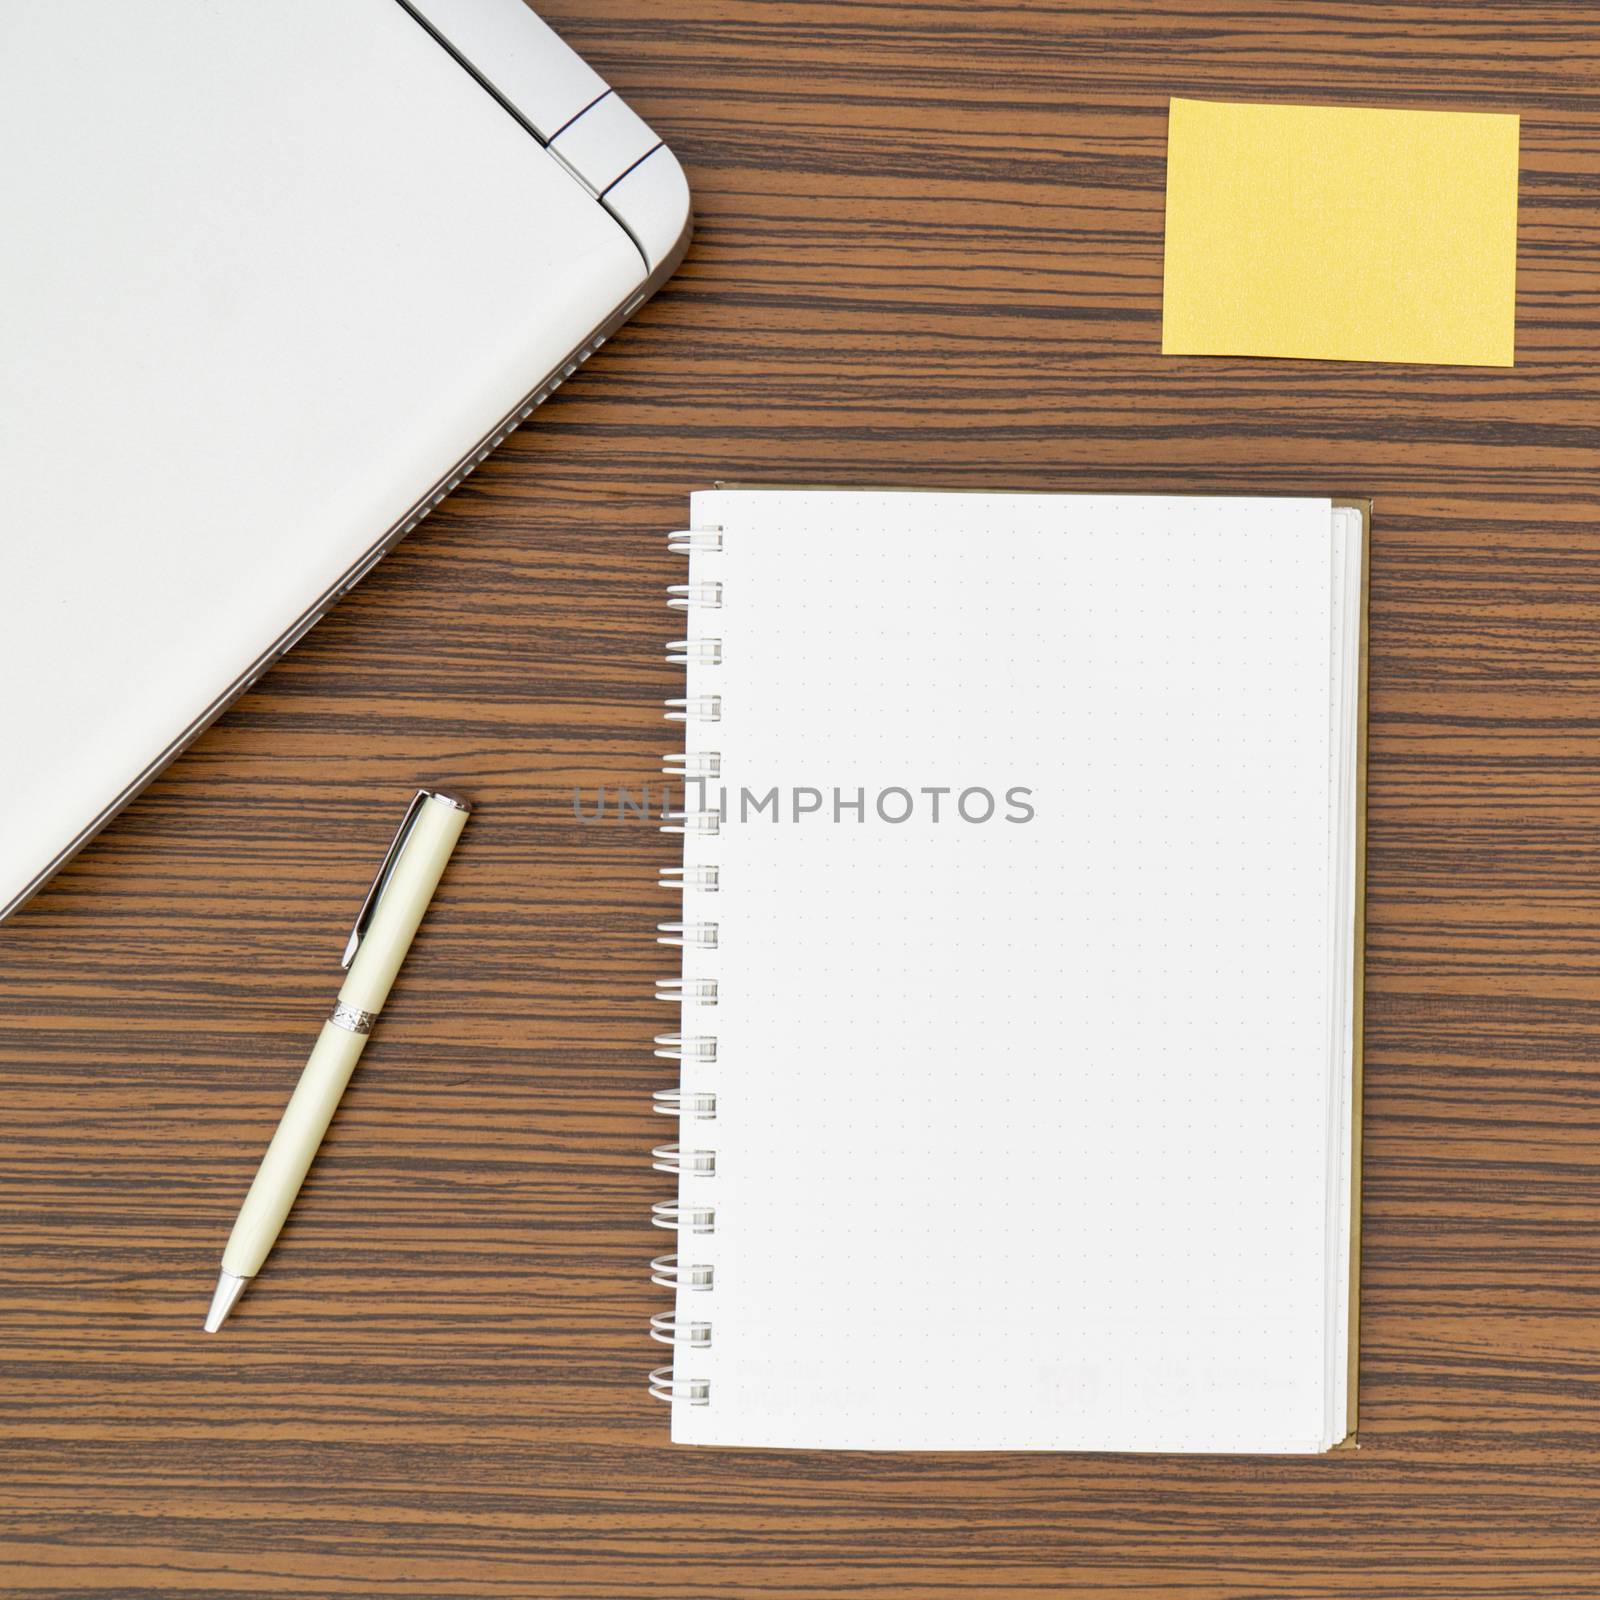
(696, 879)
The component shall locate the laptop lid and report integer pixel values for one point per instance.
(273, 277)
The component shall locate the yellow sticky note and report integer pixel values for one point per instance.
(1340, 233)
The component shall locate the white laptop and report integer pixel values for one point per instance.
(274, 277)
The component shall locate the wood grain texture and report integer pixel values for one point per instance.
(929, 252)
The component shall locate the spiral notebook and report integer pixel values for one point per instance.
(1018, 1015)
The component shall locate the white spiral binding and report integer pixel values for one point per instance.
(706, 879)
(671, 1273)
(698, 708)
(703, 824)
(686, 1047)
(698, 1107)
(683, 1219)
(674, 1158)
(692, 764)
(694, 1046)
(694, 596)
(691, 1391)
(687, 991)
(687, 540)
(667, 1327)
(694, 652)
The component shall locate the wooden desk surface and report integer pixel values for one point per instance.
(929, 252)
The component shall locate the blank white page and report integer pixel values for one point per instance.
(1022, 1127)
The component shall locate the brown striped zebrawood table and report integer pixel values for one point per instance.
(929, 252)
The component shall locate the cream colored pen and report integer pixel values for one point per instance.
(385, 927)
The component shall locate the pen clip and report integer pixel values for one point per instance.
(385, 871)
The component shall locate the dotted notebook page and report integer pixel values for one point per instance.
(1023, 1116)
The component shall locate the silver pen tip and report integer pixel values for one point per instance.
(224, 1299)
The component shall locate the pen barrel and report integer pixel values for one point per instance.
(400, 907)
(305, 1120)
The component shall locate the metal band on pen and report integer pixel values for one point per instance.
(352, 1019)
